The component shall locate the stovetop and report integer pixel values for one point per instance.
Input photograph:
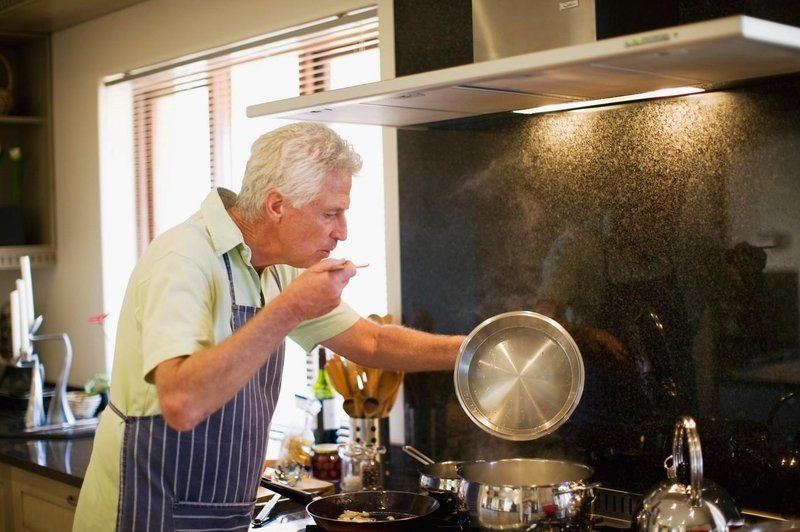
(612, 509)
(297, 520)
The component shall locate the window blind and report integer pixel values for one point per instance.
(315, 44)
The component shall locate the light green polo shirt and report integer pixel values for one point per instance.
(178, 302)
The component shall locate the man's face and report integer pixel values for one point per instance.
(311, 232)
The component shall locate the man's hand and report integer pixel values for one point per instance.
(318, 290)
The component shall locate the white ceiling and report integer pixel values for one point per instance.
(47, 16)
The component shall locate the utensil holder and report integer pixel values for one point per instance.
(375, 432)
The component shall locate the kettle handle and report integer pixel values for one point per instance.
(686, 427)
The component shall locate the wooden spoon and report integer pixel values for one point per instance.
(353, 407)
(371, 407)
(389, 388)
(372, 384)
(338, 376)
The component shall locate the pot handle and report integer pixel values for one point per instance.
(417, 455)
(686, 427)
(577, 487)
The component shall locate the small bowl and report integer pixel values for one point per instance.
(83, 406)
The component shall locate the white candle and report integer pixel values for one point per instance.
(25, 268)
(24, 327)
(15, 325)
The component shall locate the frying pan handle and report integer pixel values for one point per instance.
(294, 494)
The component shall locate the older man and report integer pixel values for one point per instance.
(197, 370)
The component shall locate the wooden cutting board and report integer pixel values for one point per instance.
(309, 484)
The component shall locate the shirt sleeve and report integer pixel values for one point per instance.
(313, 332)
(176, 311)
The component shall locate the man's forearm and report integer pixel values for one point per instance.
(413, 350)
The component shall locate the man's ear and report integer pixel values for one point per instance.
(274, 204)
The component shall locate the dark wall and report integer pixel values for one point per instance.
(663, 235)
(434, 35)
(669, 226)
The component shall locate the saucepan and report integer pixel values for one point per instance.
(391, 510)
(522, 493)
(435, 477)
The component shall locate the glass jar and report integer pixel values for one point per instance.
(326, 462)
(370, 468)
(350, 454)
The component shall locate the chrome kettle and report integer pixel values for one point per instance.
(676, 507)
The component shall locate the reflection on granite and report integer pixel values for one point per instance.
(61, 459)
(663, 236)
(787, 372)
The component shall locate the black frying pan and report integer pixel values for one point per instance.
(392, 510)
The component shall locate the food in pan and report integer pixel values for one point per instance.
(352, 515)
(359, 517)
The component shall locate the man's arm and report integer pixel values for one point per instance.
(190, 388)
(395, 347)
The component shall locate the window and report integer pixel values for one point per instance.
(191, 133)
(191, 119)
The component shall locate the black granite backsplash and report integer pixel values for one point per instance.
(664, 235)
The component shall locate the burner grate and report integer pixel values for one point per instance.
(615, 508)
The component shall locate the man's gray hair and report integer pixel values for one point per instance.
(295, 160)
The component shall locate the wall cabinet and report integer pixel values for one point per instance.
(26, 123)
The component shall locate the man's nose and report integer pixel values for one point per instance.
(340, 231)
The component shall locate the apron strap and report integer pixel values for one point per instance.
(117, 411)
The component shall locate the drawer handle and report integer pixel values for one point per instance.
(72, 500)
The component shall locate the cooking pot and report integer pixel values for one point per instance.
(522, 493)
(392, 510)
(435, 477)
(673, 506)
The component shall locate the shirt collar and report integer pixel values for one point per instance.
(225, 235)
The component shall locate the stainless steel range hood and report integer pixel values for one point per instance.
(707, 54)
(502, 28)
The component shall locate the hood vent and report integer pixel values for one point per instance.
(502, 28)
(711, 54)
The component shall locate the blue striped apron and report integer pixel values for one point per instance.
(206, 478)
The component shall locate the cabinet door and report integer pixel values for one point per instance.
(42, 504)
(6, 506)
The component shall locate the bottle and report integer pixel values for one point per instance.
(327, 422)
(294, 456)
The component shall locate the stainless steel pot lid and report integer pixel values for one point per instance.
(519, 375)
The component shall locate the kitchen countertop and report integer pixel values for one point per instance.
(64, 460)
